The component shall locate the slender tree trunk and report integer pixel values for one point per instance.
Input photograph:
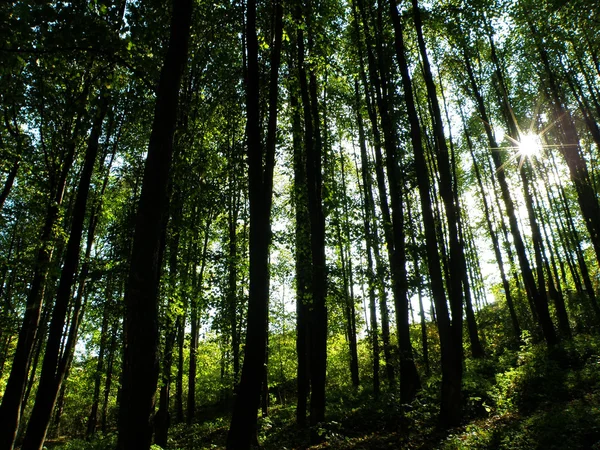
(302, 260)
(415, 257)
(554, 289)
(10, 179)
(93, 417)
(380, 177)
(109, 375)
(457, 264)
(261, 162)
(234, 196)
(140, 361)
(197, 283)
(51, 379)
(410, 382)
(473, 332)
(318, 338)
(313, 152)
(349, 309)
(350, 272)
(12, 174)
(12, 401)
(495, 243)
(368, 214)
(451, 354)
(539, 305)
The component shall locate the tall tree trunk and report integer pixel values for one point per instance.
(539, 305)
(419, 281)
(349, 308)
(368, 215)
(93, 417)
(380, 177)
(318, 339)
(473, 332)
(180, 324)
(302, 260)
(457, 264)
(140, 360)
(51, 379)
(234, 200)
(409, 382)
(261, 162)
(571, 150)
(313, 153)
(495, 242)
(109, 375)
(197, 283)
(11, 407)
(451, 354)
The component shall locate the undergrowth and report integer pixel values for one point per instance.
(524, 398)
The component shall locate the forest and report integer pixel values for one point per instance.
(290, 224)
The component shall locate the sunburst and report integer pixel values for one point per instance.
(529, 145)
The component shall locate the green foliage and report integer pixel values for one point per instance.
(99, 442)
(546, 400)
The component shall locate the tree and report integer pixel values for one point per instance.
(261, 162)
(140, 363)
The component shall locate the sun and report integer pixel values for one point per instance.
(529, 145)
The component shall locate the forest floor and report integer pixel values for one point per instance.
(527, 398)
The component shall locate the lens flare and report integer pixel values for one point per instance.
(530, 145)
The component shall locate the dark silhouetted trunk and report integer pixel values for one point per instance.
(10, 180)
(450, 352)
(495, 242)
(346, 273)
(10, 410)
(109, 375)
(371, 241)
(302, 261)
(537, 301)
(571, 150)
(51, 376)
(451, 385)
(14, 130)
(197, 282)
(93, 417)
(140, 360)
(261, 162)
(380, 177)
(317, 314)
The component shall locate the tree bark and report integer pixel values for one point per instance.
(140, 360)
(242, 431)
(51, 378)
(302, 260)
(197, 284)
(10, 409)
(451, 354)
